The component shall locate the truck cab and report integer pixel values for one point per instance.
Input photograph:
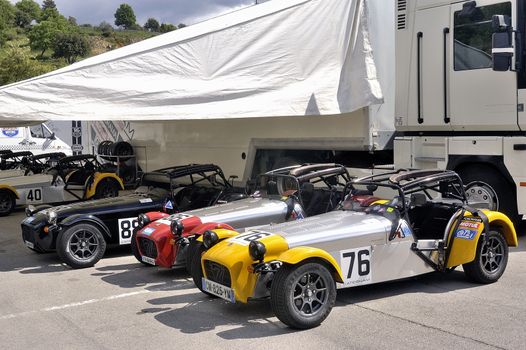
(37, 139)
(460, 95)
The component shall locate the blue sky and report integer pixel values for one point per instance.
(170, 11)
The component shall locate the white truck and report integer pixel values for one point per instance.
(37, 139)
(460, 95)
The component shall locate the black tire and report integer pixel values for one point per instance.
(81, 245)
(135, 250)
(107, 188)
(292, 291)
(7, 202)
(485, 183)
(190, 251)
(196, 270)
(121, 149)
(490, 261)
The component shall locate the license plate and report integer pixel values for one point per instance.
(219, 290)
(30, 245)
(148, 260)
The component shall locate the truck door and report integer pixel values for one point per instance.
(480, 99)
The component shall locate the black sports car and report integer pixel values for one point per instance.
(79, 232)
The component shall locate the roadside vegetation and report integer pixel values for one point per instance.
(38, 39)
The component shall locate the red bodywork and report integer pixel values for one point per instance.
(159, 232)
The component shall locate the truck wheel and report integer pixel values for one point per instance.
(7, 202)
(485, 184)
(135, 249)
(196, 270)
(490, 261)
(302, 296)
(106, 189)
(81, 246)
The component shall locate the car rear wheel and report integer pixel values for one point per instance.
(490, 261)
(106, 189)
(7, 202)
(81, 246)
(196, 269)
(302, 296)
(135, 249)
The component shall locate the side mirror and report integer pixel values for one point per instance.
(52, 136)
(502, 48)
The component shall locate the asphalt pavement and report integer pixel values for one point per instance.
(120, 303)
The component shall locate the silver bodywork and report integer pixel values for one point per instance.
(245, 213)
(40, 189)
(5, 174)
(340, 233)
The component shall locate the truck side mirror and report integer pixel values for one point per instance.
(502, 49)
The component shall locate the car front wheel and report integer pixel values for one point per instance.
(106, 189)
(490, 261)
(7, 202)
(302, 296)
(81, 246)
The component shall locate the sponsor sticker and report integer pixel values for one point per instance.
(10, 132)
(466, 234)
(145, 200)
(404, 229)
(148, 231)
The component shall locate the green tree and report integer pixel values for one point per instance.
(42, 36)
(152, 25)
(124, 16)
(26, 12)
(181, 25)
(72, 21)
(7, 17)
(48, 4)
(70, 46)
(105, 28)
(17, 65)
(167, 27)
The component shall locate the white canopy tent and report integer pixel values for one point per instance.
(279, 58)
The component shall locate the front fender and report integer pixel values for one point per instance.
(97, 178)
(91, 219)
(222, 233)
(199, 230)
(10, 189)
(297, 255)
(464, 250)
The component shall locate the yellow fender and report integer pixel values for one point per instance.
(11, 189)
(98, 177)
(221, 233)
(297, 255)
(464, 250)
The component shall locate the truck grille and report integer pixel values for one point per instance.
(147, 247)
(217, 273)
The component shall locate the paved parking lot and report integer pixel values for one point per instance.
(119, 303)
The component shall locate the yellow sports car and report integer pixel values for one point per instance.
(427, 226)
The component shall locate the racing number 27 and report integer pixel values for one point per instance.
(356, 264)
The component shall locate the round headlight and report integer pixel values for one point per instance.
(257, 250)
(209, 239)
(52, 217)
(177, 228)
(143, 220)
(30, 210)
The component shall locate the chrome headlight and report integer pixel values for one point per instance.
(209, 239)
(52, 217)
(143, 220)
(257, 250)
(30, 209)
(177, 228)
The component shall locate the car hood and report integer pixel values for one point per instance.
(105, 205)
(26, 180)
(244, 212)
(4, 174)
(331, 228)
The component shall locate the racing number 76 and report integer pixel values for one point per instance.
(364, 263)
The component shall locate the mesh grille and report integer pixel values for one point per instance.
(217, 273)
(28, 234)
(401, 17)
(147, 248)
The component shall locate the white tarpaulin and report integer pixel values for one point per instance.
(279, 58)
